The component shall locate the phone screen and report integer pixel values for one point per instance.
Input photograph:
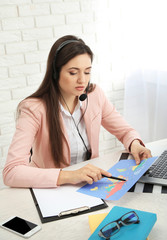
(19, 225)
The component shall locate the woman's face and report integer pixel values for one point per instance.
(75, 75)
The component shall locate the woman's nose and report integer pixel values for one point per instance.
(81, 78)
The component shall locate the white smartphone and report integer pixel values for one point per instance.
(20, 226)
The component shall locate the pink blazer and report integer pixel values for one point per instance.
(32, 131)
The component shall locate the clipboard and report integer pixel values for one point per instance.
(62, 202)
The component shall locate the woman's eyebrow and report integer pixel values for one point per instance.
(78, 68)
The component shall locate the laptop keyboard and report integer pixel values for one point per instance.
(159, 168)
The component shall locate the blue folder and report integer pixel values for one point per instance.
(135, 231)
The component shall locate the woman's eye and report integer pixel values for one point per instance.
(73, 73)
(87, 72)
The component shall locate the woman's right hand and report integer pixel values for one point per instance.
(88, 174)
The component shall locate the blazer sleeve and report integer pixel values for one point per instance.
(18, 172)
(113, 122)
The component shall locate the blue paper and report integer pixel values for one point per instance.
(110, 189)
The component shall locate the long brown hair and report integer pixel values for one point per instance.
(49, 91)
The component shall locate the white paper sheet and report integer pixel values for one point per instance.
(54, 201)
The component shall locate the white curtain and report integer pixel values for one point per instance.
(144, 39)
(146, 103)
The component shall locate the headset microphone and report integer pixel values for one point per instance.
(84, 95)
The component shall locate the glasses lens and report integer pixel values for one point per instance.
(130, 218)
(110, 229)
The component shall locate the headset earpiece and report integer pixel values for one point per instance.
(55, 76)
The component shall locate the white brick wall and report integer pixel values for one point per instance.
(28, 28)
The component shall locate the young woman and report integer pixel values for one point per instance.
(59, 124)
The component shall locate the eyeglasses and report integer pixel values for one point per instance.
(114, 227)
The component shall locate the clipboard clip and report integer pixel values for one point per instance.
(73, 211)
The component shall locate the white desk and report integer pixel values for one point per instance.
(19, 202)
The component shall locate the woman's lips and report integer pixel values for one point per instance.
(80, 88)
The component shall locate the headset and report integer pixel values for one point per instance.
(63, 44)
(81, 98)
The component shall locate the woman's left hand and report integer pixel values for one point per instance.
(139, 152)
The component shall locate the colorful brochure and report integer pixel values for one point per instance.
(110, 189)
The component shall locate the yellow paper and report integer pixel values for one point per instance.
(95, 220)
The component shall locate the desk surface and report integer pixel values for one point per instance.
(19, 202)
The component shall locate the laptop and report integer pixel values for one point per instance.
(157, 173)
